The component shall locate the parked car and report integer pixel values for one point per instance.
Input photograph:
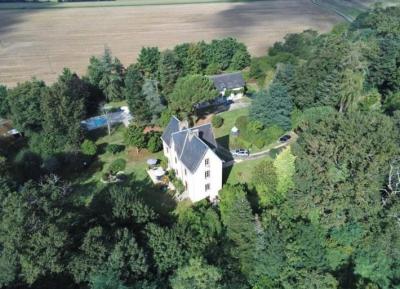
(285, 138)
(240, 153)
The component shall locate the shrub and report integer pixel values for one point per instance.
(272, 134)
(255, 126)
(117, 165)
(241, 122)
(217, 121)
(259, 143)
(115, 148)
(88, 147)
(154, 143)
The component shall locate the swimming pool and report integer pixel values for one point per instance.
(94, 122)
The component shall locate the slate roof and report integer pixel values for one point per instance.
(172, 127)
(191, 144)
(228, 81)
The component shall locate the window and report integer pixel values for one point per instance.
(207, 162)
(185, 172)
(207, 187)
(207, 174)
(186, 186)
(166, 149)
(175, 160)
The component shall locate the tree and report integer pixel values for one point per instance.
(188, 92)
(154, 143)
(273, 107)
(63, 108)
(127, 258)
(285, 170)
(153, 99)
(106, 73)
(236, 215)
(196, 275)
(329, 184)
(4, 105)
(240, 60)
(148, 61)
(88, 147)
(92, 255)
(222, 51)
(134, 136)
(169, 69)
(265, 181)
(25, 100)
(137, 102)
(34, 226)
(106, 279)
(166, 250)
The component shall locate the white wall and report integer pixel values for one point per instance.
(198, 181)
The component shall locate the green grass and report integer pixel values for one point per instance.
(241, 172)
(229, 121)
(87, 182)
(117, 3)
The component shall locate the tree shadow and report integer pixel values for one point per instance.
(242, 17)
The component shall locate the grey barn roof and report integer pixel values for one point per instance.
(190, 144)
(228, 81)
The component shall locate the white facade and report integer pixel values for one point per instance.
(203, 182)
(236, 93)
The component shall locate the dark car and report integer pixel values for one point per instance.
(240, 153)
(285, 138)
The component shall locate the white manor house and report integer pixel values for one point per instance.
(191, 154)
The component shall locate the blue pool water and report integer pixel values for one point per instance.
(95, 122)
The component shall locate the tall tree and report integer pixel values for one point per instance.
(4, 105)
(63, 108)
(273, 107)
(137, 103)
(147, 61)
(169, 69)
(196, 275)
(153, 98)
(25, 100)
(33, 228)
(106, 73)
(241, 230)
(188, 92)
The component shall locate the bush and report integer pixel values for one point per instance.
(154, 143)
(255, 126)
(117, 165)
(259, 143)
(272, 134)
(241, 122)
(217, 121)
(88, 148)
(115, 148)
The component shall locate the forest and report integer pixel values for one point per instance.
(324, 214)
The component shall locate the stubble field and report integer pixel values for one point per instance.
(41, 42)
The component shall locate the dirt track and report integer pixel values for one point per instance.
(41, 42)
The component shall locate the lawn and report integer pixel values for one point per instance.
(241, 172)
(89, 181)
(229, 121)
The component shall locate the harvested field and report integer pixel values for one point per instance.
(40, 42)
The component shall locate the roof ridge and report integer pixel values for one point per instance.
(183, 147)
